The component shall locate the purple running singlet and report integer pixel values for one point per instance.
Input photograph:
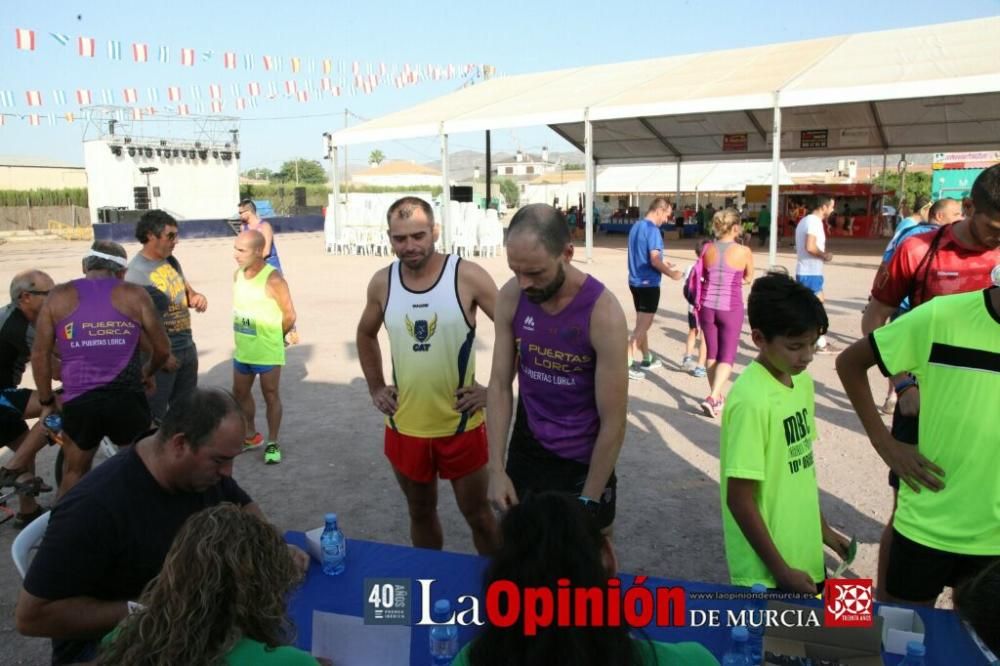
(98, 345)
(555, 373)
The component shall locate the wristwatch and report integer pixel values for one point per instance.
(49, 402)
(592, 506)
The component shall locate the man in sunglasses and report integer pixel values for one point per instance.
(28, 290)
(155, 266)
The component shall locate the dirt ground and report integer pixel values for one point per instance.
(668, 520)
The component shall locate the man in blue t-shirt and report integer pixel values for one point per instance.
(645, 265)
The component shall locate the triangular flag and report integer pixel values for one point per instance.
(327, 66)
(164, 54)
(182, 109)
(290, 87)
(267, 62)
(136, 113)
(247, 61)
(153, 95)
(303, 95)
(207, 55)
(34, 97)
(295, 63)
(83, 97)
(187, 57)
(253, 89)
(6, 98)
(61, 38)
(114, 50)
(140, 52)
(215, 91)
(216, 106)
(69, 116)
(241, 103)
(129, 95)
(33, 119)
(52, 119)
(60, 97)
(25, 39)
(174, 93)
(229, 60)
(196, 93)
(106, 96)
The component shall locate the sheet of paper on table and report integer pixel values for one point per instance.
(348, 641)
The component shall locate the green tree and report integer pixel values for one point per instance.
(510, 191)
(376, 157)
(301, 171)
(260, 173)
(917, 183)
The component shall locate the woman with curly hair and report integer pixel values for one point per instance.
(219, 599)
(548, 537)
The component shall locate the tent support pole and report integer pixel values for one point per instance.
(772, 252)
(489, 171)
(588, 199)
(677, 201)
(881, 203)
(446, 222)
(338, 217)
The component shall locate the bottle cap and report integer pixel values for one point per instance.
(331, 517)
(758, 588)
(442, 607)
(915, 649)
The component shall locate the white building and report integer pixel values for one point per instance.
(398, 173)
(31, 173)
(526, 165)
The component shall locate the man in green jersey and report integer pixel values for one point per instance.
(947, 522)
(262, 316)
(774, 531)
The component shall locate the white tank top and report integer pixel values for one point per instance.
(431, 343)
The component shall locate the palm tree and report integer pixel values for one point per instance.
(376, 157)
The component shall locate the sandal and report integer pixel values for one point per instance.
(22, 520)
(33, 486)
(8, 476)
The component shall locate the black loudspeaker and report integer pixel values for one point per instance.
(141, 198)
(300, 196)
(461, 193)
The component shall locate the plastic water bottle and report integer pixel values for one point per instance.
(444, 637)
(53, 422)
(334, 547)
(915, 652)
(755, 644)
(737, 655)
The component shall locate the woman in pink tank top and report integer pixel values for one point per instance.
(726, 267)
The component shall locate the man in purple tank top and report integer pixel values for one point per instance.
(565, 336)
(95, 325)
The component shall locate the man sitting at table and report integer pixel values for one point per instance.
(109, 535)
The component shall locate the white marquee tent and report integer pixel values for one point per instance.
(925, 89)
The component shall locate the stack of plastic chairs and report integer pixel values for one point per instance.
(490, 234)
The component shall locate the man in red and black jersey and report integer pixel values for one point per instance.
(953, 259)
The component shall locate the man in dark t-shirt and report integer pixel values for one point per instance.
(28, 290)
(109, 535)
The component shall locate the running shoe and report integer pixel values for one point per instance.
(651, 363)
(689, 363)
(699, 371)
(272, 453)
(253, 442)
(710, 407)
(635, 373)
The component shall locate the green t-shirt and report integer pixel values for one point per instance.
(248, 652)
(767, 435)
(952, 345)
(764, 219)
(662, 654)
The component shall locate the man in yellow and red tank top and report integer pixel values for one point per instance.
(434, 407)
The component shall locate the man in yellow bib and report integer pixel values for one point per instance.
(262, 315)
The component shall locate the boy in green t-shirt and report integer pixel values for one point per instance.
(947, 523)
(774, 531)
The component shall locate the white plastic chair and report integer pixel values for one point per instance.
(26, 542)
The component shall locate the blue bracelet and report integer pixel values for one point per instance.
(905, 384)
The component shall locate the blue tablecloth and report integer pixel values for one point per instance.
(456, 575)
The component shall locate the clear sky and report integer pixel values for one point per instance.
(516, 36)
